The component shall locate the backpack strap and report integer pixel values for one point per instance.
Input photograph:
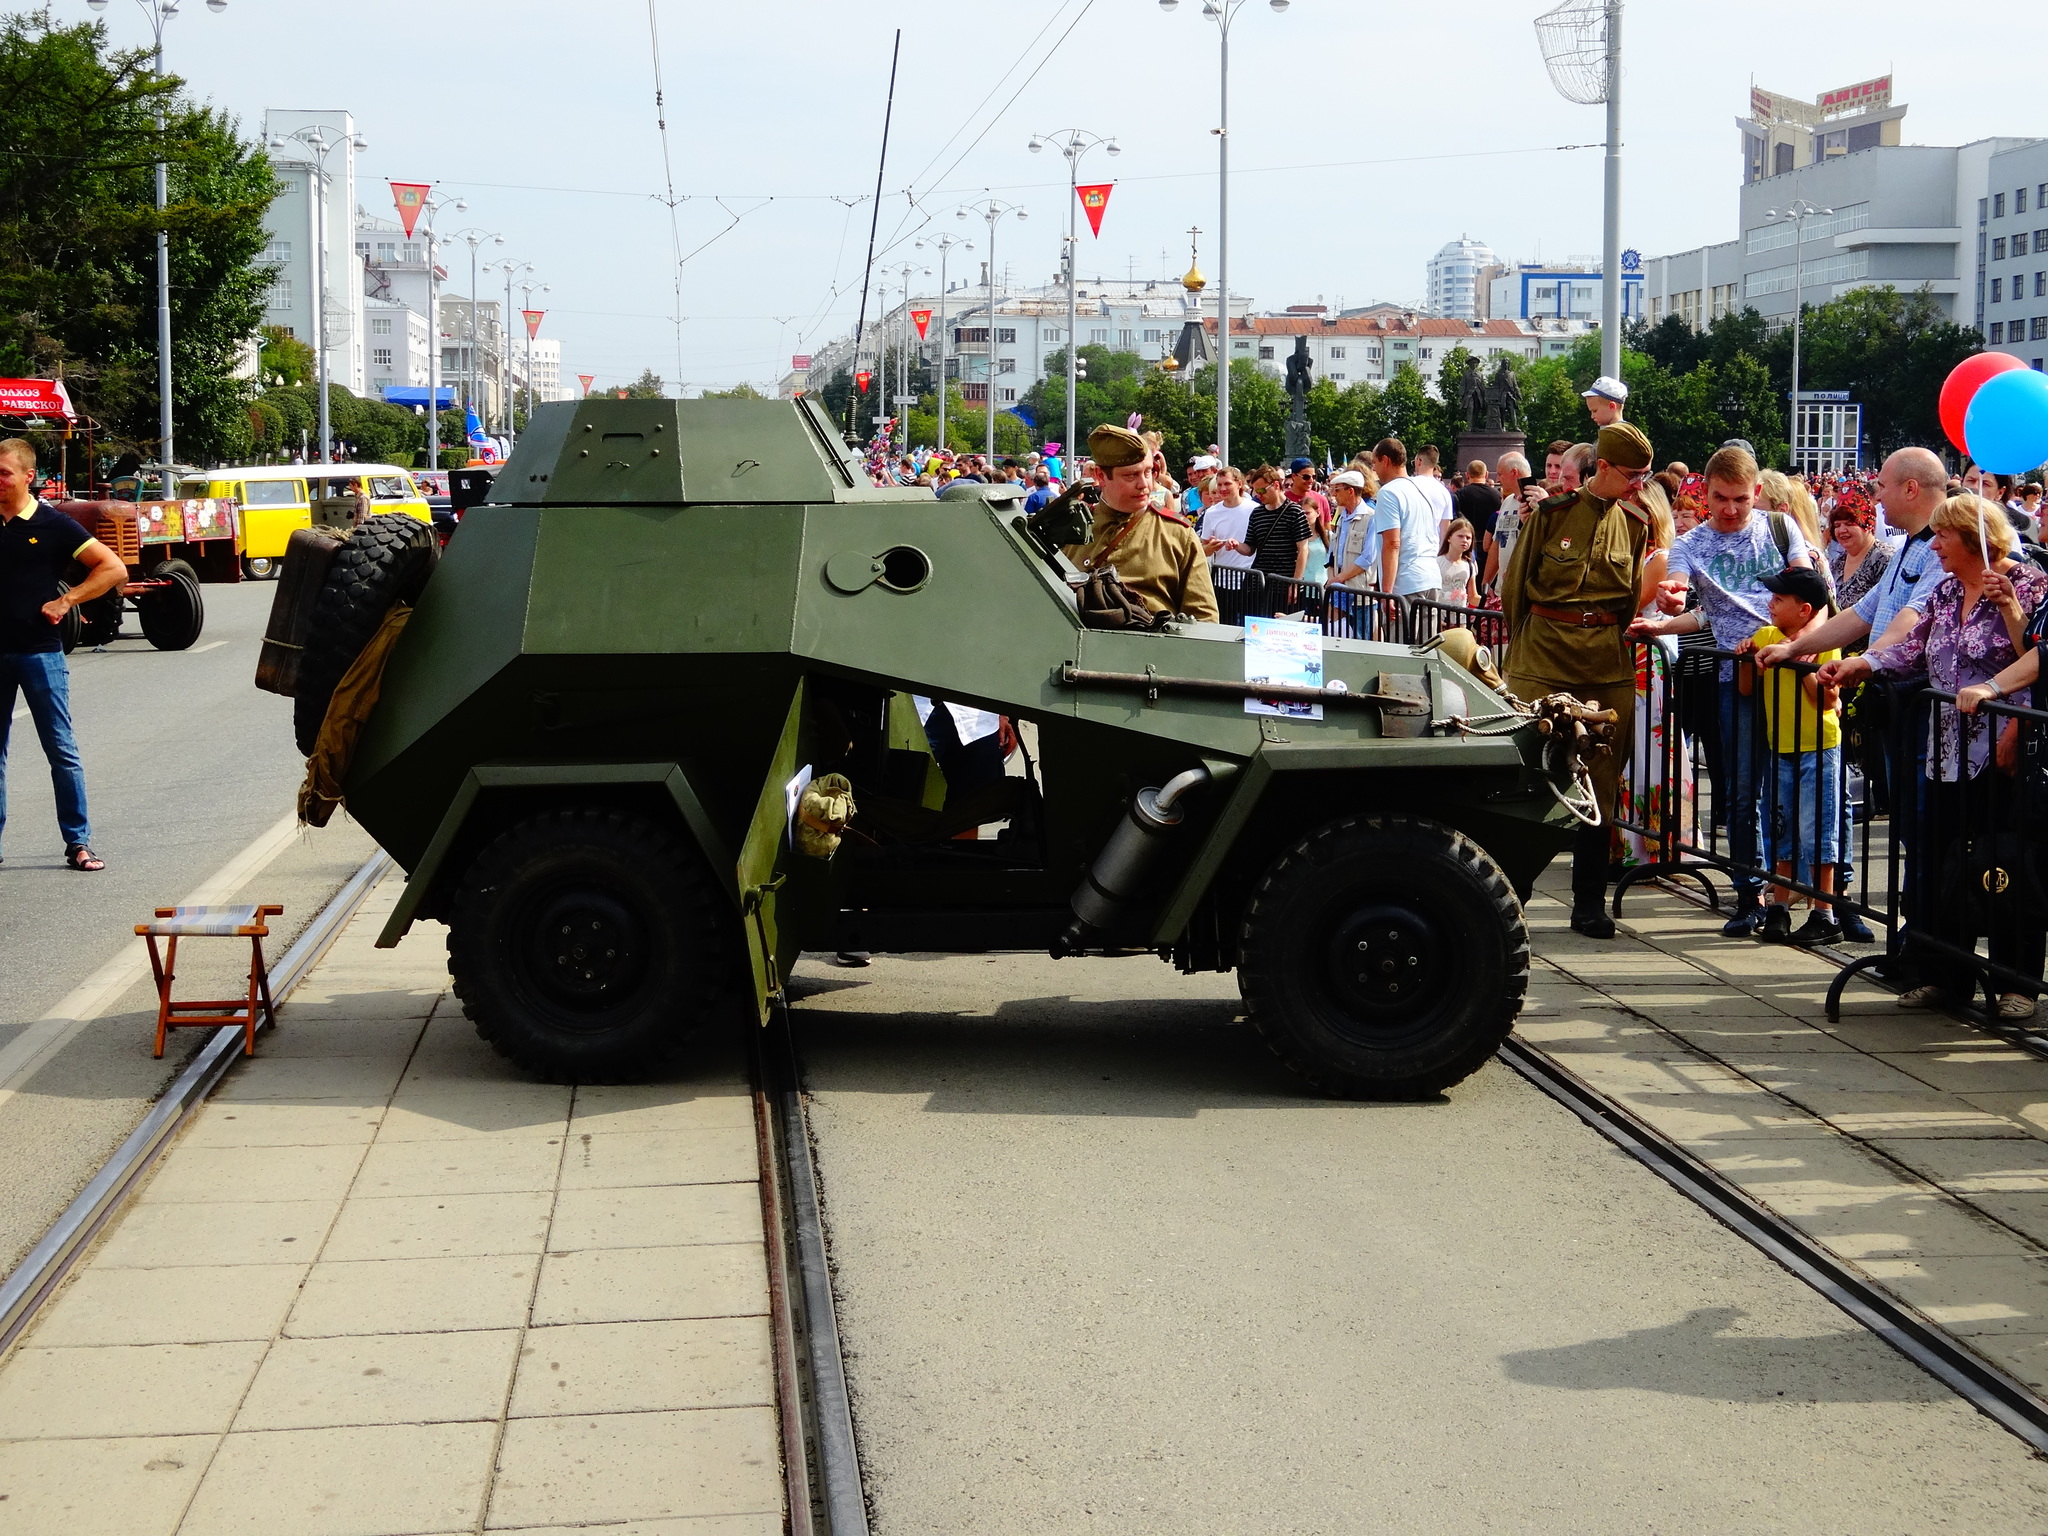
(1781, 534)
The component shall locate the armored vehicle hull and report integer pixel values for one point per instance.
(595, 734)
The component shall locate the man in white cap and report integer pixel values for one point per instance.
(1605, 401)
(1350, 561)
(1201, 470)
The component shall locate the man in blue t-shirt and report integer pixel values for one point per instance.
(37, 547)
(1724, 558)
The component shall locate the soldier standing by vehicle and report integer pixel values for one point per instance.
(1570, 589)
(1153, 550)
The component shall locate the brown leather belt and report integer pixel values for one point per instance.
(1582, 618)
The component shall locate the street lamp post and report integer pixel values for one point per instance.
(510, 267)
(1581, 43)
(1798, 211)
(429, 206)
(908, 270)
(527, 290)
(1223, 12)
(322, 143)
(945, 243)
(159, 12)
(994, 214)
(1077, 142)
(474, 237)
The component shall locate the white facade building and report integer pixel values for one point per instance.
(1369, 348)
(1455, 289)
(292, 225)
(397, 346)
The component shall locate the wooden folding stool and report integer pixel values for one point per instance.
(175, 923)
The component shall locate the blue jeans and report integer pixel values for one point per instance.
(46, 682)
(1803, 809)
(1740, 800)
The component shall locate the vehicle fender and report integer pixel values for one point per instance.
(488, 776)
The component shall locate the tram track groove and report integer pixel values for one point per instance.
(827, 1496)
(1989, 1390)
(38, 1276)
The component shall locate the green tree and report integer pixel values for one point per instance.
(1407, 412)
(1450, 419)
(285, 359)
(648, 386)
(737, 392)
(78, 227)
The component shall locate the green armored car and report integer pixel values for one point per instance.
(664, 715)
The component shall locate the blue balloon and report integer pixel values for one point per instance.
(2007, 423)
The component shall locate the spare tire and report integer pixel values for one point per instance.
(385, 561)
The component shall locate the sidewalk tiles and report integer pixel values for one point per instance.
(384, 1287)
(1909, 1144)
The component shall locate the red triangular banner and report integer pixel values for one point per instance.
(533, 319)
(411, 197)
(1093, 200)
(920, 318)
(586, 380)
(861, 379)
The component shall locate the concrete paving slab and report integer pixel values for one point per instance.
(209, 1175)
(390, 1379)
(637, 1466)
(498, 1109)
(377, 1480)
(223, 1232)
(347, 1080)
(193, 1305)
(1796, 1072)
(616, 1159)
(1986, 1068)
(471, 1166)
(656, 1216)
(414, 1295)
(1972, 1296)
(593, 1368)
(282, 1125)
(440, 1226)
(632, 1107)
(119, 1487)
(1881, 1115)
(346, 1033)
(1736, 1037)
(2002, 1166)
(2026, 1214)
(623, 1285)
(124, 1390)
(765, 1524)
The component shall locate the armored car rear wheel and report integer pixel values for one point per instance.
(592, 946)
(1384, 957)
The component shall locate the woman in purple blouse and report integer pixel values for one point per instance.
(1967, 630)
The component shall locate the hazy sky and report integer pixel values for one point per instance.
(1363, 136)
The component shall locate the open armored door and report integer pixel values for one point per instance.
(780, 890)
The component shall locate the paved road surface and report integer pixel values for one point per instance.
(187, 765)
(1103, 1266)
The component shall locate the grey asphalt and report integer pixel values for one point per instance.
(1102, 1265)
(187, 763)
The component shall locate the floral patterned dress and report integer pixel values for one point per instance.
(1956, 652)
(1647, 795)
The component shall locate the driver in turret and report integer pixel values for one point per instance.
(1153, 549)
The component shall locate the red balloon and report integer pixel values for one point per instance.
(1961, 386)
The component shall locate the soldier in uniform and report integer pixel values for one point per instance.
(1154, 550)
(1569, 592)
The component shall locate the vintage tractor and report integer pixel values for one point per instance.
(170, 548)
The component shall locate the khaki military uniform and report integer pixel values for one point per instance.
(1578, 562)
(1158, 556)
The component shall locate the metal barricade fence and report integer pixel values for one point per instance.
(1745, 773)
(1240, 590)
(1427, 619)
(1352, 613)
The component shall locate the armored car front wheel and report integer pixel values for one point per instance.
(1384, 957)
(590, 945)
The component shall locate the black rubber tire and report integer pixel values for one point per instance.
(385, 561)
(672, 962)
(1453, 957)
(70, 628)
(172, 617)
(100, 620)
(261, 567)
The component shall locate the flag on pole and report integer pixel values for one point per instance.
(533, 319)
(1094, 199)
(586, 380)
(411, 198)
(920, 318)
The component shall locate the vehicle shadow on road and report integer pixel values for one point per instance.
(1060, 1056)
(1707, 1354)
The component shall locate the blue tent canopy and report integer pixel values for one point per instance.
(415, 395)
